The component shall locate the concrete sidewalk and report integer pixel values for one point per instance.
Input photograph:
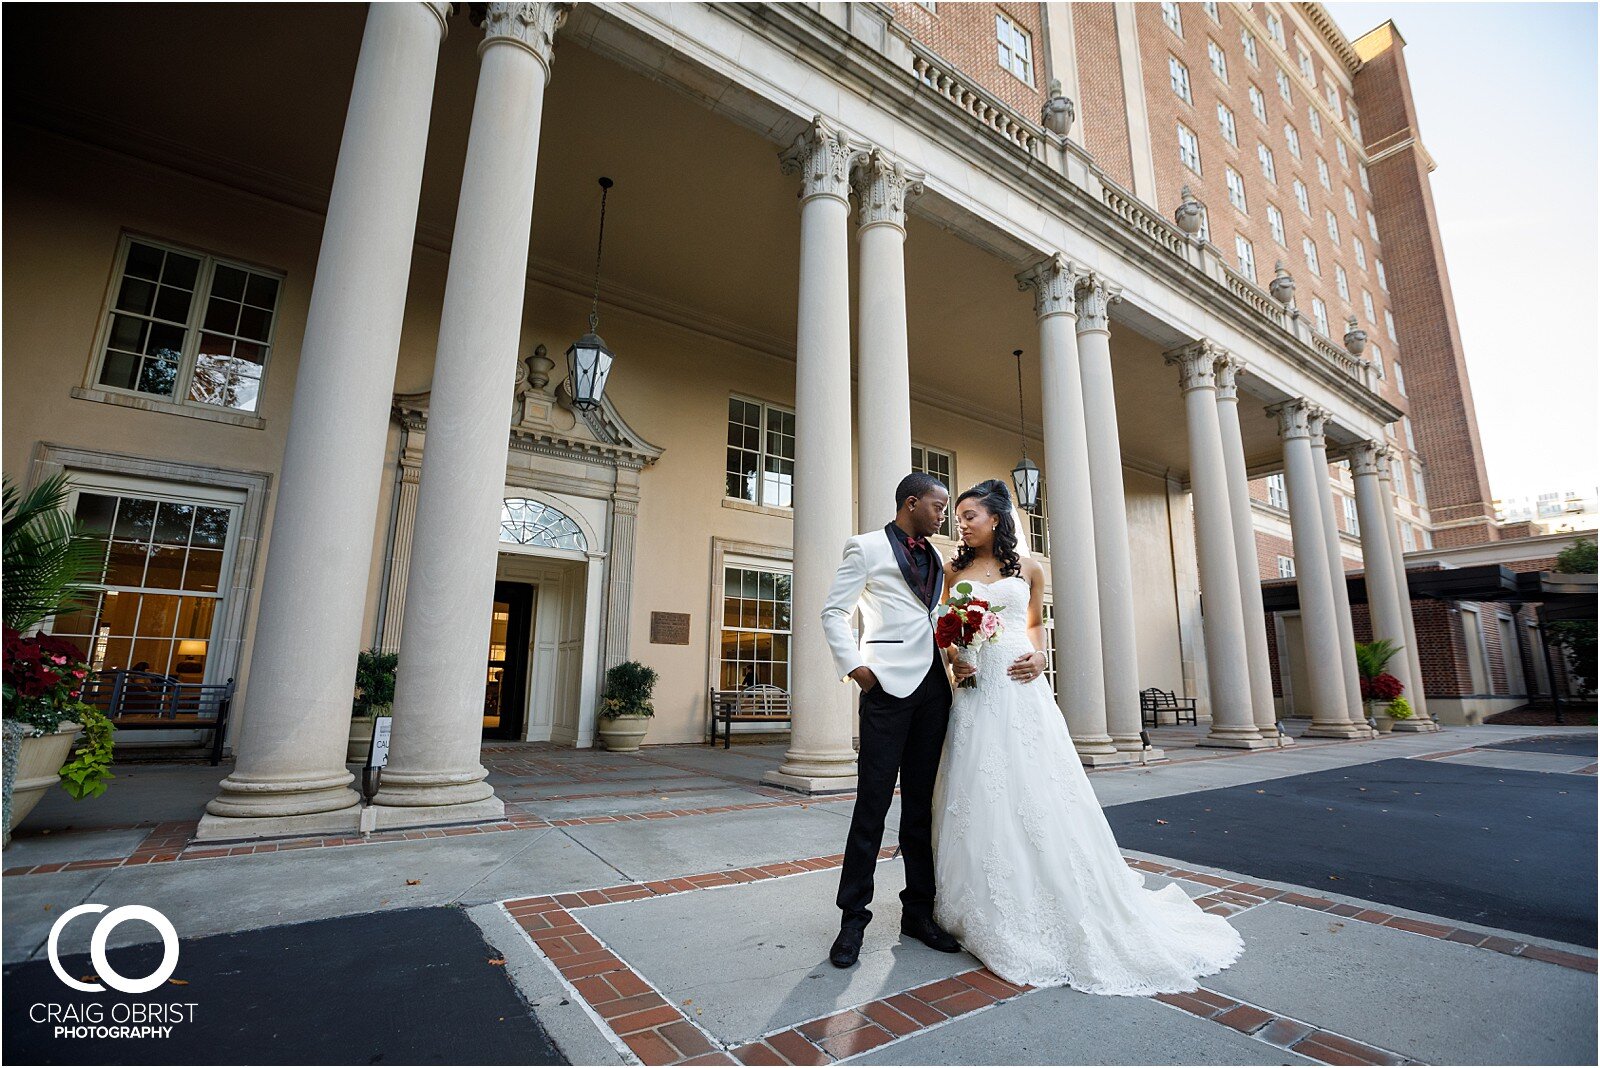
(667, 906)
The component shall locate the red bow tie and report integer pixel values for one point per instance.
(916, 543)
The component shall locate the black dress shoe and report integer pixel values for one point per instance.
(929, 934)
(847, 947)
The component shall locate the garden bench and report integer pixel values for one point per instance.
(146, 701)
(754, 704)
(1153, 702)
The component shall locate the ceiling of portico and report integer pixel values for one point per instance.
(701, 220)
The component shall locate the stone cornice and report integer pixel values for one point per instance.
(1332, 36)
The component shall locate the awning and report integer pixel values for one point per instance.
(1562, 596)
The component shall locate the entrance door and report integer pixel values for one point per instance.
(505, 692)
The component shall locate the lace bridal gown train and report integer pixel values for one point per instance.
(1029, 877)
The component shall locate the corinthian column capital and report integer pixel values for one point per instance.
(883, 187)
(1317, 422)
(1295, 420)
(1054, 283)
(1228, 368)
(1197, 363)
(531, 26)
(821, 156)
(1364, 458)
(1095, 297)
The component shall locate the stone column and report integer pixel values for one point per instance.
(290, 774)
(1377, 561)
(434, 774)
(1338, 584)
(1233, 722)
(1421, 721)
(1330, 716)
(1263, 709)
(821, 755)
(1119, 649)
(1080, 672)
(883, 408)
(619, 576)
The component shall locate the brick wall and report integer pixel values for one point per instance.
(1103, 109)
(963, 35)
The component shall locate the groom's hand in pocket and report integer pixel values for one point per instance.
(865, 678)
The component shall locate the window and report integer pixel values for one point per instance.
(1344, 154)
(1322, 174)
(1172, 17)
(756, 619)
(1388, 324)
(1399, 378)
(1377, 361)
(1211, 9)
(1319, 310)
(1205, 223)
(1342, 280)
(1039, 526)
(1372, 226)
(1268, 170)
(1309, 247)
(1333, 226)
(1399, 474)
(1230, 132)
(1411, 438)
(1258, 104)
(1360, 251)
(1306, 69)
(1247, 256)
(1355, 123)
(1333, 99)
(1350, 203)
(1219, 62)
(1315, 119)
(1189, 147)
(941, 465)
(187, 327)
(1291, 135)
(1283, 86)
(760, 465)
(1277, 492)
(162, 573)
(1427, 538)
(1047, 618)
(1248, 40)
(1300, 197)
(1236, 189)
(1352, 521)
(1180, 79)
(1366, 306)
(1366, 179)
(1014, 48)
(1417, 487)
(1275, 28)
(1285, 567)
(1408, 537)
(529, 522)
(1383, 277)
(1275, 223)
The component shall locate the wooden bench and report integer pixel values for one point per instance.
(1153, 702)
(754, 704)
(145, 701)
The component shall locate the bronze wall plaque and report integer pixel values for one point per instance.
(669, 628)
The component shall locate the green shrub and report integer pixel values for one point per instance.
(628, 689)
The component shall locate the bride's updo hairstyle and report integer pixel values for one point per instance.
(993, 497)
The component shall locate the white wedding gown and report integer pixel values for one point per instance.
(1029, 878)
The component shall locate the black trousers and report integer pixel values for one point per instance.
(900, 737)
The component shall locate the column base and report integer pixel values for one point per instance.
(215, 828)
(1346, 731)
(1215, 740)
(1412, 726)
(378, 817)
(811, 784)
(1094, 758)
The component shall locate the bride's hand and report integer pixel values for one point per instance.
(963, 669)
(1027, 668)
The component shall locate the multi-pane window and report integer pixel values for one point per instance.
(1275, 223)
(1268, 170)
(1189, 148)
(1333, 226)
(1344, 154)
(1309, 247)
(1275, 28)
(1352, 521)
(1372, 225)
(1285, 567)
(1320, 311)
(1306, 70)
(1408, 537)
(1399, 378)
(1236, 189)
(1383, 277)
(1180, 79)
(1013, 47)
(1247, 256)
(1283, 86)
(756, 627)
(1360, 251)
(1377, 363)
(1230, 131)
(1411, 438)
(1333, 99)
(760, 466)
(187, 327)
(1366, 179)
(1248, 40)
(1211, 10)
(1314, 118)
(1342, 280)
(1350, 203)
(1172, 17)
(1277, 492)
(1047, 619)
(1301, 198)
(1366, 306)
(1258, 104)
(941, 465)
(1417, 487)
(161, 569)
(1388, 324)
(1355, 123)
(1219, 62)
(1039, 525)
(1322, 174)
(1291, 135)
(528, 522)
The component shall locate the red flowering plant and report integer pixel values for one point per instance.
(43, 689)
(967, 621)
(1381, 687)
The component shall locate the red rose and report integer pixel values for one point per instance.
(948, 630)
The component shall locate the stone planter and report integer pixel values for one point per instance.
(38, 766)
(622, 734)
(1385, 722)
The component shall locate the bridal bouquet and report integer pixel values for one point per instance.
(966, 622)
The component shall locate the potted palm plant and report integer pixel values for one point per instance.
(1378, 687)
(374, 697)
(625, 710)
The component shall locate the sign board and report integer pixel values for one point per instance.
(380, 742)
(669, 628)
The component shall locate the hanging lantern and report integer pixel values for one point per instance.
(1025, 476)
(589, 358)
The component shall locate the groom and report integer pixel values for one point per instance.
(895, 577)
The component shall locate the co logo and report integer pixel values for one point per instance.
(97, 948)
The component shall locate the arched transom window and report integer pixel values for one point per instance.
(525, 522)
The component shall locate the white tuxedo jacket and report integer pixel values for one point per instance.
(897, 625)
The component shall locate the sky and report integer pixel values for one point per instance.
(1507, 107)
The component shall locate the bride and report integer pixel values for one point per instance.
(1029, 878)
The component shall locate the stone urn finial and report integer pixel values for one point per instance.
(1187, 214)
(539, 367)
(1058, 111)
(1282, 287)
(1355, 338)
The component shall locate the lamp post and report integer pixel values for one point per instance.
(1025, 475)
(589, 358)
